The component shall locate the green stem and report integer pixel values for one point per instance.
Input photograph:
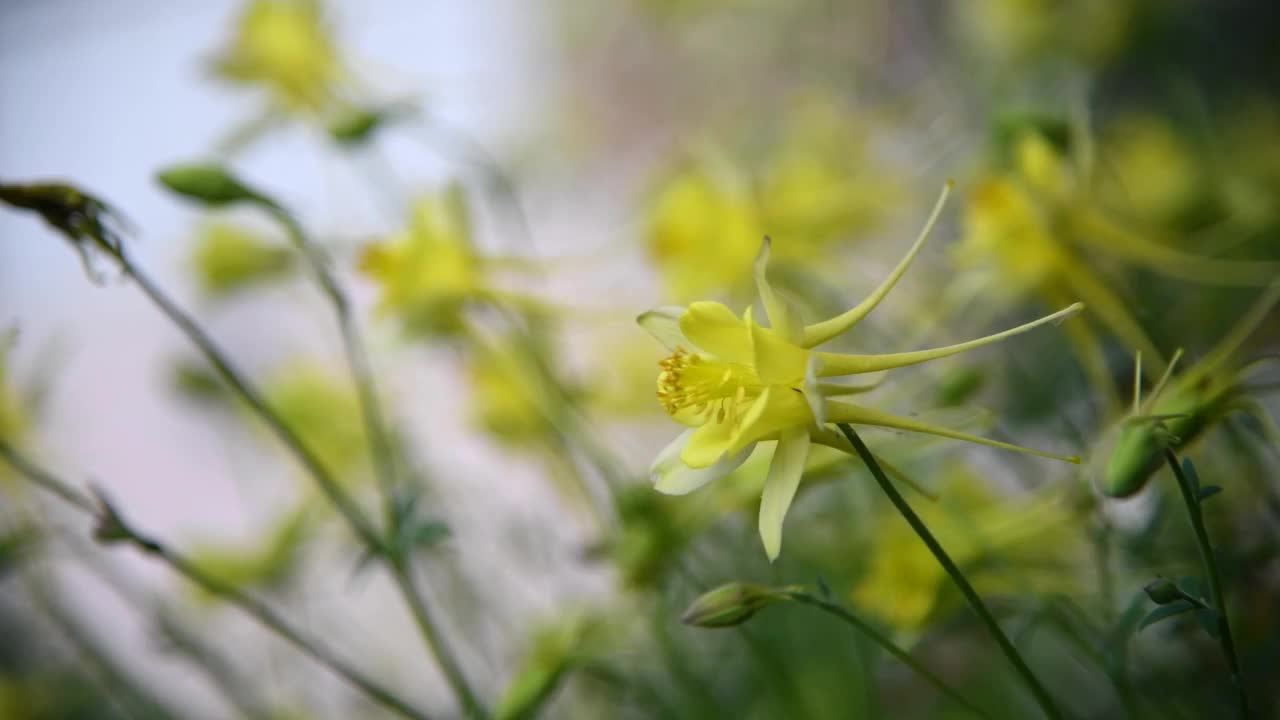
(258, 610)
(382, 455)
(880, 639)
(222, 364)
(1215, 578)
(1041, 695)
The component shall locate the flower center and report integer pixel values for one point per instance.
(694, 387)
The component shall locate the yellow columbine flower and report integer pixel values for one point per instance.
(428, 271)
(228, 258)
(286, 47)
(735, 383)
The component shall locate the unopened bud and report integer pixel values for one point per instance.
(731, 604)
(1162, 592)
(209, 184)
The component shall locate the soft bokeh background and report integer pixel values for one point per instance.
(616, 157)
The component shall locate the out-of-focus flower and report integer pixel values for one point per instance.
(1150, 171)
(324, 411)
(285, 47)
(429, 272)
(1022, 31)
(509, 396)
(1027, 540)
(1250, 188)
(268, 562)
(554, 652)
(817, 185)
(735, 382)
(228, 258)
(12, 414)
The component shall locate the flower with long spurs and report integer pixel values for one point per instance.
(735, 383)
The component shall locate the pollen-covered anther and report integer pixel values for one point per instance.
(712, 390)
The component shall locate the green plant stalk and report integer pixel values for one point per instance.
(888, 645)
(222, 364)
(1215, 578)
(383, 458)
(258, 610)
(1033, 684)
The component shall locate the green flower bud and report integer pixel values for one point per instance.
(356, 126)
(732, 604)
(1162, 592)
(208, 184)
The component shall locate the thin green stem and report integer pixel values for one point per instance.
(258, 610)
(382, 454)
(226, 369)
(889, 646)
(1215, 578)
(1033, 684)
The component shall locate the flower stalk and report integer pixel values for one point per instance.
(1024, 672)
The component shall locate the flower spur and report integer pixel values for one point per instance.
(735, 383)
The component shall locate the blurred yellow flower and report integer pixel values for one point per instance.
(735, 382)
(268, 562)
(1031, 537)
(1151, 173)
(507, 396)
(228, 258)
(429, 271)
(324, 411)
(704, 230)
(285, 46)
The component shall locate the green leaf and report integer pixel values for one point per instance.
(1209, 621)
(1189, 469)
(1209, 491)
(428, 534)
(1164, 612)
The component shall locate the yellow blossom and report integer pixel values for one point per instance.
(903, 581)
(429, 271)
(270, 561)
(324, 411)
(1151, 170)
(507, 396)
(735, 382)
(285, 46)
(228, 258)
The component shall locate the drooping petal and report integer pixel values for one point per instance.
(671, 476)
(778, 408)
(780, 486)
(841, 412)
(714, 328)
(777, 362)
(846, 364)
(708, 444)
(819, 333)
(664, 324)
(782, 316)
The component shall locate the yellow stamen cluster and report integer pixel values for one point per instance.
(713, 390)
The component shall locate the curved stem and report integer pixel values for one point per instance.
(258, 610)
(1024, 672)
(888, 645)
(1227, 641)
(382, 454)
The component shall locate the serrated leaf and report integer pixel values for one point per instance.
(1209, 491)
(1164, 612)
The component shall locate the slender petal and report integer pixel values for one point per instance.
(819, 333)
(780, 486)
(671, 476)
(708, 445)
(782, 317)
(844, 364)
(714, 328)
(856, 414)
(664, 324)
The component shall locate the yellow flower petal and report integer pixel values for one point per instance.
(664, 324)
(780, 486)
(777, 408)
(777, 362)
(671, 476)
(782, 317)
(716, 330)
(708, 444)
